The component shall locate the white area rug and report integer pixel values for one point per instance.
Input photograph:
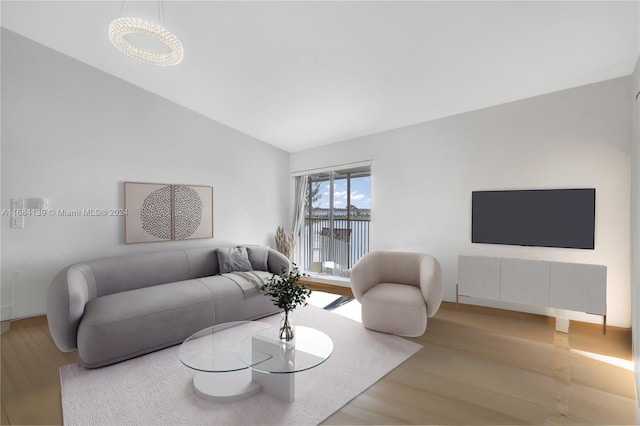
(157, 388)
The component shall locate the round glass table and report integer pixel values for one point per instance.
(249, 357)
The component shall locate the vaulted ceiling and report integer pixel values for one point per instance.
(302, 74)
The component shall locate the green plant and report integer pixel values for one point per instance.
(285, 291)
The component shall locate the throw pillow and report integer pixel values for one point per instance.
(231, 259)
(258, 256)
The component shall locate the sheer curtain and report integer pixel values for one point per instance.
(298, 213)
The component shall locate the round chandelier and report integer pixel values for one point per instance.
(120, 27)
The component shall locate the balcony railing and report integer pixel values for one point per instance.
(333, 250)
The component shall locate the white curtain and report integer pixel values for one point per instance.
(298, 213)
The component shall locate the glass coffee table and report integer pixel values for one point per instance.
(236, 360)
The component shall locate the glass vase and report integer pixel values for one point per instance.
(286, 328)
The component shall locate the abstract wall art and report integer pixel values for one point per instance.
(165, 212)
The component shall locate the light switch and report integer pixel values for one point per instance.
(17, 220)
(17, 203)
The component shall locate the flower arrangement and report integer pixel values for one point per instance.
(287, 294)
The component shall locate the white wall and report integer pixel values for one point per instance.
(73, 134)
(423, 175)
(635, 229)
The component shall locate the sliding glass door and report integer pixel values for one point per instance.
(337, 218)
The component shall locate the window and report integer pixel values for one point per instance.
(337, 215)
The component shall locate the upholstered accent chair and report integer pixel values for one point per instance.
(398, 291)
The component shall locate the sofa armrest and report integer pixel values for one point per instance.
(365, 274)
(276, 260)
(70, 290)
(431, 283)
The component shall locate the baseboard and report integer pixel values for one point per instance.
(37, 320)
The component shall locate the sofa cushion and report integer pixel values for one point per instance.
(131, 323)
(124, 273)
(258, 256)
(233, 259)
(396, 309)
(233, 305)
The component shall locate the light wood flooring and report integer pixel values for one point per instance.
(478, 366)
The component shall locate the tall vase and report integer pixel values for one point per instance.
(286, 328)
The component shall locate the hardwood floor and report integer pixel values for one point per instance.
(318, 285)
(490, 367)
(478, 366)
(30, 380)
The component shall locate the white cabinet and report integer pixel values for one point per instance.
(571, 286)
(481, 276)
(524, 281)
(578, 287)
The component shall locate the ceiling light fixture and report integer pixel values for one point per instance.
(123, 26)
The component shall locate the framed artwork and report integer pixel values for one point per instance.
(165, 212)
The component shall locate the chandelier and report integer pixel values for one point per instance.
(123, 26)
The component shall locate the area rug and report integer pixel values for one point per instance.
(157, 389)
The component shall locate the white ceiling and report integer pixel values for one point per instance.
(303, 74)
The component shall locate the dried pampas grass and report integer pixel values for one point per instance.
(285, 242)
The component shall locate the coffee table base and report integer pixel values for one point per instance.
(230, 386)
(281, 386)
(238, 385)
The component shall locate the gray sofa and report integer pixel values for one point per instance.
(117, 308)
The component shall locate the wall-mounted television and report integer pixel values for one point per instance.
(539, 217)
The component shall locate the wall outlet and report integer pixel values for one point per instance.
(17, 222)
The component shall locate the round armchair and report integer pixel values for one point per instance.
(398, 291)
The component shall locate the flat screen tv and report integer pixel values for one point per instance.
(541, 218)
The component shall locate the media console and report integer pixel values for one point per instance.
(569, 286)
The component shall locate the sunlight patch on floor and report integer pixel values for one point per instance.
(349, 310)
(321, 299)
(618, 362)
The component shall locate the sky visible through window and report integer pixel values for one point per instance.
(360, 193)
